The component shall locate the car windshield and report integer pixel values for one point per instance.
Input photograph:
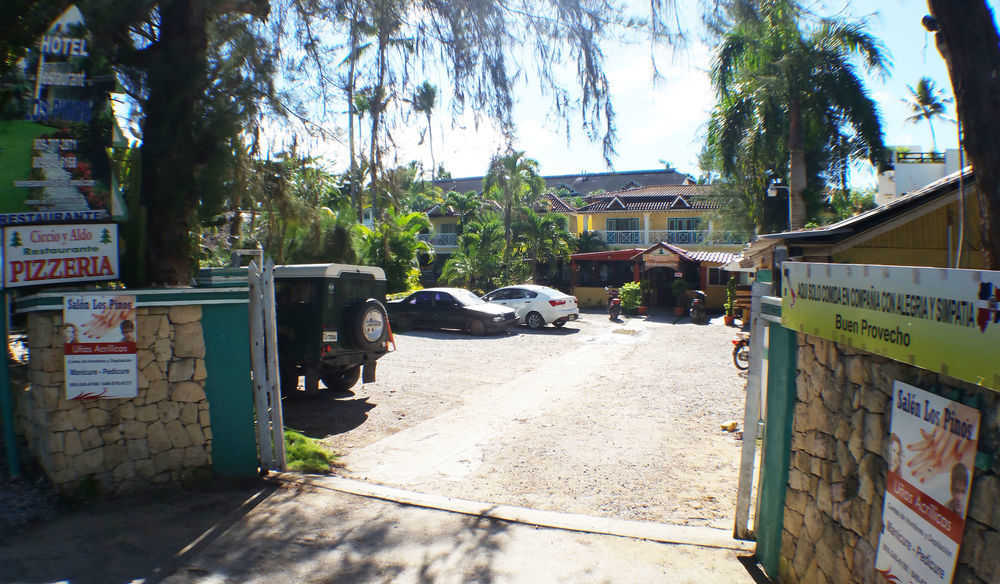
(466, 298)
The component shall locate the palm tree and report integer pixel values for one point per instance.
(776, 74)
(475, 265)
(393, 245)
(927, 102)
(545, 239)
(424, 100)
(466, 205)
(512, 181)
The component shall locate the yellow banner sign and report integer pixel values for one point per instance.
(945, 320)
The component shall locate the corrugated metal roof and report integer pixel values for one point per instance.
(712, 257)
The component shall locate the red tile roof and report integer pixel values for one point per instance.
(655, 198)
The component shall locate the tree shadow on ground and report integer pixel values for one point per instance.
(258, 530)
(140, 538)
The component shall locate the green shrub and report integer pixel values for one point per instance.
(303, 454)
(730, 304)
(630, 294)
(680, 289)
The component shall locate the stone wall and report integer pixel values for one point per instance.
(162, 435)
(837, 475)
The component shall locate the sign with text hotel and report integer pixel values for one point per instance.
(944, 320)
(56, 254)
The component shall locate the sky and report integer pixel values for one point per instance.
(667, 121)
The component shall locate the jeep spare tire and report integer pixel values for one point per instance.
(370, 325)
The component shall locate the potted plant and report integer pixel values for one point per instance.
(730, 304)
(680, 289)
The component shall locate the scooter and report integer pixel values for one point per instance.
(741, 351)
(614, 303)
(697, 310)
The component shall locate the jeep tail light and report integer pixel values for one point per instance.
(557, 302)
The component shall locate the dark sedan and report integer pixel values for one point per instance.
(449, 308)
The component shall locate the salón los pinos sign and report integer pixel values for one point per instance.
(945, 320)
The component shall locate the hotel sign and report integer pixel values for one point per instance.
(944, 320)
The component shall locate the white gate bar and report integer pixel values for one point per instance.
(259, 368)
(751, 414)
(271, 344)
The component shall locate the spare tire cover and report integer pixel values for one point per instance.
(370, 326)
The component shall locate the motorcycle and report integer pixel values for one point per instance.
(614, 303)
(697, 309)
(741, 351)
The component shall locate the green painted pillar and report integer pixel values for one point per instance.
(777, 447)
(229, 389)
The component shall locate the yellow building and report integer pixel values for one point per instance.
(643, 216)
(935, 226)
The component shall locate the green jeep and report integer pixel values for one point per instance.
(332, 324)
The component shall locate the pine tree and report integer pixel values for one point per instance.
(105, 236)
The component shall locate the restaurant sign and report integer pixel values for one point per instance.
(944, 320)
(57, 254)
(661, 257)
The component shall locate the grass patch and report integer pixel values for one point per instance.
(303, 454)
(16, 144)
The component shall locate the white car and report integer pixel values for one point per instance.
(535, 305)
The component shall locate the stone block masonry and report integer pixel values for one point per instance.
(837, 474)
(161, 436)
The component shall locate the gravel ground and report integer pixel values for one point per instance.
(601, 418)
(615, 419)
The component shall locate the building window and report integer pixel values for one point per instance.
(718, 277)
(449, 228)
(623, 224)
(684, 224)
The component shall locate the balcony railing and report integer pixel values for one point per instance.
(919, 157)
(440, 239)
(701, 237)
(680, 238)
(624, 237)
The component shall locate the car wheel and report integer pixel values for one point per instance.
(341, 380)
(559, 323)
(477, 327)
(370, 325)
(534, 321)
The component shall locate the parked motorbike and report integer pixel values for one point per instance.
(741, 351)
(614, 303)
(697, 309)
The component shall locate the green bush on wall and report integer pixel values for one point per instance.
(630, 294)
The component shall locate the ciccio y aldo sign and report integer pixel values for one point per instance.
(50, 254)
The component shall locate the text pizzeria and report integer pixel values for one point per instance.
(60, 268)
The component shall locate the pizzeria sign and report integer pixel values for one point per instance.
(945, 320)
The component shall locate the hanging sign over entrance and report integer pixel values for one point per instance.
(944, 320)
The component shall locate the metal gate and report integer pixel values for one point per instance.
(769, 408)
(264, 364)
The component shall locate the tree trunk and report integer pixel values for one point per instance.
(176, 84)
(967, 39)
(355, 195)
(796, 166)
